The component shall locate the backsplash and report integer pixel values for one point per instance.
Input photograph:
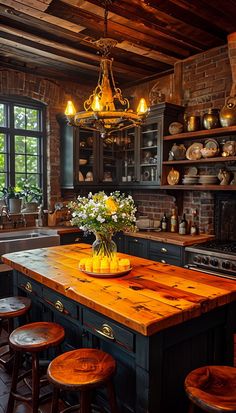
(154, 204)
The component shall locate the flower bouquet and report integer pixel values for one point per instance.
(104, 215)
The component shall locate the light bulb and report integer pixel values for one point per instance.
(96, 105)
(70, 109)
(142, 106)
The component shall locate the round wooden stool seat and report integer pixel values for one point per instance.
(36, 336)
(31, 338)
(14, 306)
(82, 370)
(11, 308)
(212, 388)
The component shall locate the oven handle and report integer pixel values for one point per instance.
(191, 267)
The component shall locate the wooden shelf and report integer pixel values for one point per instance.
(200, 187)
(202, 160)
(206, 133)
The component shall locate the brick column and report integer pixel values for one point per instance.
(232, 58)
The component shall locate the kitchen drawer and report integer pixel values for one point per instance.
(71, 238)
(163, 249)
(166, 259)
(107, 329)
(61, 303)
(31, 287)
(136, 246)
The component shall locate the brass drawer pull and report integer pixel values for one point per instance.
(106, 331)
(164, 250)
(28, 287)
(163, 261)
(78, 239)
(59, 306)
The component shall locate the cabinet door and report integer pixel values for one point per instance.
(127, 145)
(136, 246)
(85, 157)
(107, 160)
(149, 152)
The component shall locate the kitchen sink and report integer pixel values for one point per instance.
(28, 239)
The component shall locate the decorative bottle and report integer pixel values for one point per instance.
(164, 223)
(173, 221)
(183, 226)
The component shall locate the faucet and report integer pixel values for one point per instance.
(4, 212)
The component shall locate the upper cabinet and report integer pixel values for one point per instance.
(201, 160)
(126, 159)
(140, 148)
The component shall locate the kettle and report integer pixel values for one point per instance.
(228, 113)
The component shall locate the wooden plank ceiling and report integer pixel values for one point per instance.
(55, 38)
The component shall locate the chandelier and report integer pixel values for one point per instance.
(106, 110)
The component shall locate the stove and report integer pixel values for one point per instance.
(213, 257)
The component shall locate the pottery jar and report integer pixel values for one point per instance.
(228, 113)
(211, 119)
(192, 123)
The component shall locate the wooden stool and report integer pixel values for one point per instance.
(31, 338)
(82, 370)
(212, 388)
(10, 308)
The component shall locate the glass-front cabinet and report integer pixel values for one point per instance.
(130, 158)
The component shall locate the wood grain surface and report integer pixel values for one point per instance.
(153, 296)
(172, 238)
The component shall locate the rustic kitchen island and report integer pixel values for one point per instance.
(159, 321)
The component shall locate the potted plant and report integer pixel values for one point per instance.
(32, 197)
(12, 196)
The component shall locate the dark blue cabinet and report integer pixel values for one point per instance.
(136, 246)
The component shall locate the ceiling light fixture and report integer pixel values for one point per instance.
(106, 110)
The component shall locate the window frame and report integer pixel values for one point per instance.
(10, 131)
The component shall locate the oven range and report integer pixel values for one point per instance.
(213, 257)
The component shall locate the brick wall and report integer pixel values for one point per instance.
(155, 203)
(54, 95)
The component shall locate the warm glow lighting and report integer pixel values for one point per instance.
(70, 109)
(106, 110)
(142, 106)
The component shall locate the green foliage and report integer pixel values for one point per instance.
(31, 193)
(104, 214)
(10, 192)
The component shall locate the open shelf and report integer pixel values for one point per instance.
(201, 187)
(202, 160)
(205, 133)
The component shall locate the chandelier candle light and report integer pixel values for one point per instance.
(104, 215)
(101, 113)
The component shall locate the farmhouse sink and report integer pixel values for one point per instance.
(28, 239)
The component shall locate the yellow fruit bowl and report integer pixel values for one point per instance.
(105, 267)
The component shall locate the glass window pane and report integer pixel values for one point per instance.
(2, 162)
(32, 119)
(3, 120)
(20, 163)
(32, 145)
(32, 164)
(19, 117)
(3, 180)
(20, 144)
(33, 179)
(20, 180)
(2, 142)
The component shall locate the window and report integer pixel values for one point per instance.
(22, 142)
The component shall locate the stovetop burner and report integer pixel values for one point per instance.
(219, 246)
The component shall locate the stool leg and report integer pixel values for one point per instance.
(55, 400)
(35, 383)
(15, 374)
(112, 397)
(85, 401)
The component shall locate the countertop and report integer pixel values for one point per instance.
(152, 297)
(171, 238)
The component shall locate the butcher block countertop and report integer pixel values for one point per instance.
(172, 238)
(152, 297)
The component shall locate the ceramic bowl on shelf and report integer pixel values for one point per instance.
(209, 152)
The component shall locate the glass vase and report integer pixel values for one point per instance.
(104, 246)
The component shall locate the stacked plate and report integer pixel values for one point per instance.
(208, 179)
(190, 179)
